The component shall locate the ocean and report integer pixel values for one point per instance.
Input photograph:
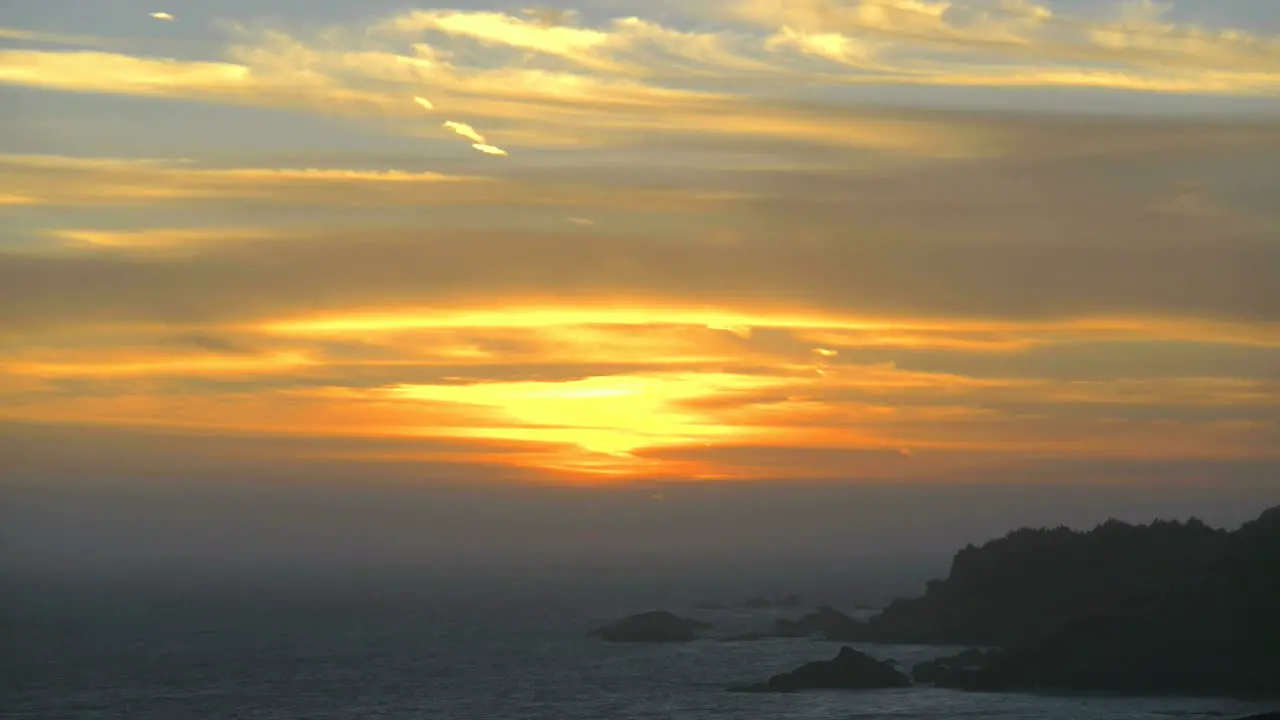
(363, 650)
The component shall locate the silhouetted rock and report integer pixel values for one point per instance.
(850, 670)
(825, 621)
(1264, 716)
(1030, 582)
(655, 626)
(1215, 631)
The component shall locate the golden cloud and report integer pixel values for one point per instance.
(88, 71)
(579, 45)
(624, 392)
(1030, 45)
(829, 327)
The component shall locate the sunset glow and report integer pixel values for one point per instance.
(747, 240)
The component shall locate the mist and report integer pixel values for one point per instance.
(866, 542)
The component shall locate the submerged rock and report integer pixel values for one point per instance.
(654, 626)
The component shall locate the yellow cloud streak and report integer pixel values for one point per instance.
(54, 38)
(313, 413)
(54, 180)
(465, 131)
(1203, 83)
(15, 199)
(89, 71)
(494, 28)
(164, 366)
(1018, 30)
(992, 341)
(157, 238)
(615, 311)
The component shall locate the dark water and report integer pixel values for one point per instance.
(363, 652)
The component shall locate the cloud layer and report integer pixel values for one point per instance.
(753, 240)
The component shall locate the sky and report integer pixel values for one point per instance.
(544, 270)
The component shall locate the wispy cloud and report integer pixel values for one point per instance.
(477, 140)
(1019, 43)
(631, 76)
(33, 36)
(465, 131)
(73, 181)
(35, 180)
(90, 71)
(580, 45)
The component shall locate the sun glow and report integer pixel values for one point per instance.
(614, 390)
(608, 418)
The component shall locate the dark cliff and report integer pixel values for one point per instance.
(1029, 583)
(1215, 630)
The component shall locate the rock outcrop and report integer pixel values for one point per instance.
(1216, 631)
(1027, 584)
(849, 670)
(654, 626)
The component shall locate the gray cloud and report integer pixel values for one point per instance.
(1005, 277)
(1076, 216)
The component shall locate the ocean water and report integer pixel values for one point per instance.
(363, 653)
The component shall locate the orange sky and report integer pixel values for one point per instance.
(602, 391)
(745, 241)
